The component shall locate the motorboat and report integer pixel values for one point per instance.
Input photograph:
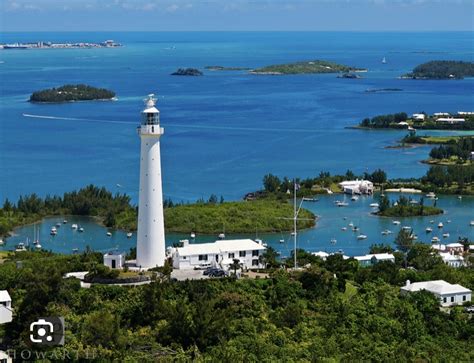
(435, 240)
(432, 221)
(431, 195)
(407, 228)
(344, 229)
(471, 223)
(374, 205)
(342, 204)
(333, 241)
(449, 220)
(129, 235)
(293, 233)
(81, 229)
(221, 235)
(192, 235)
(361, 236)
(445, 235)
(65, 221)
(355, 229)
(58, 225)
(386, 232)
(20, 247)
(75, 250)
(282, 241)
(397, 223)
(354, 198)
(2, 242)
(38, 246)
(74, 226)
(429, 229)
(109, 234)
(440, 225)
(459, 197)
(413, 201)
(351, 224)
(53, 231)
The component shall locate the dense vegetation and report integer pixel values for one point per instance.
(308, 67)
(429, 123)
(404, 208)
(223, 68)
(442, 70)
(66, 93)
(234, 217)
(458, 150)
(333, 310)
(384, 121)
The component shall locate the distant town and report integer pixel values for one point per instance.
(50, 45)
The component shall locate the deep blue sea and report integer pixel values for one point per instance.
(225, 130)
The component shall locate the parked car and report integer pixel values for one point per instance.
(469, 309)
(217, 273)
(210, 270)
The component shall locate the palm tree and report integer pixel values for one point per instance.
(235, 265)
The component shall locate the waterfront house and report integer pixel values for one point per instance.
(372, 259)
(438, 247)
(454, 248)
(114, 260)
(452, 260)
(450, 120)
(441, 114)
(357, 187)
(465, 113)
(448, 294)
(6, 311)
(220, 254)
(418, 116)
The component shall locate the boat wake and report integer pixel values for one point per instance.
(76, 119)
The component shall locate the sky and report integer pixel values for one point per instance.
(234, 15)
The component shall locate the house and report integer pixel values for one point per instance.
(450, 120)
(323, 255)
(418, 116)
(454, 248)
(357, 186)
(402, 123)
(448, 294)
(438, 247)
(440, 114)
(452, 260)
(6, 310)
(465, 113)
(472, 155)
(220, 253)
(114, 260)
(369, 260)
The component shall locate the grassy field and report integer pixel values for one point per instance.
(234, 217)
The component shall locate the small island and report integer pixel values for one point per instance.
(442, 70)
(308, 67)
(223, 68)
(69, 93)
(187, 72)
(405, 207)
(462, 120)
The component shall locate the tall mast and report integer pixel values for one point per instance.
(295, 216)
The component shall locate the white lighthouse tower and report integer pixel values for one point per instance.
(151, 228)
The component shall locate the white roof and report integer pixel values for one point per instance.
(219, 247)
(355, 182)
(403, 123)
(438, 246)
(4, 296)
(151, 110)
(378, 256)
(446, 256)
(439, 287)
(321, 254)
(454, 245)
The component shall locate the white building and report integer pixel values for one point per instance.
(440, 114)
(5, 358)
(6, 311)
(455, 247)
(151, 229)
(450, 120)
(447, 293)
(323, 255)
(357, 187)
(114, 260)
(438, 247)
(220, 253)
(452, 260)
(465, 113)
(369, 260)
(418, 116)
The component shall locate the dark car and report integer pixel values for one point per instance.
(210, 270)
(217, 273)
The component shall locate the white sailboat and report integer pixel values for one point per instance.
(384, 60)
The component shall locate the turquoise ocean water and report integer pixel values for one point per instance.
(225, 130)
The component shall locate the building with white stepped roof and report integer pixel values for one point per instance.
(219, 254)
(6, 311)
(448, 294)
